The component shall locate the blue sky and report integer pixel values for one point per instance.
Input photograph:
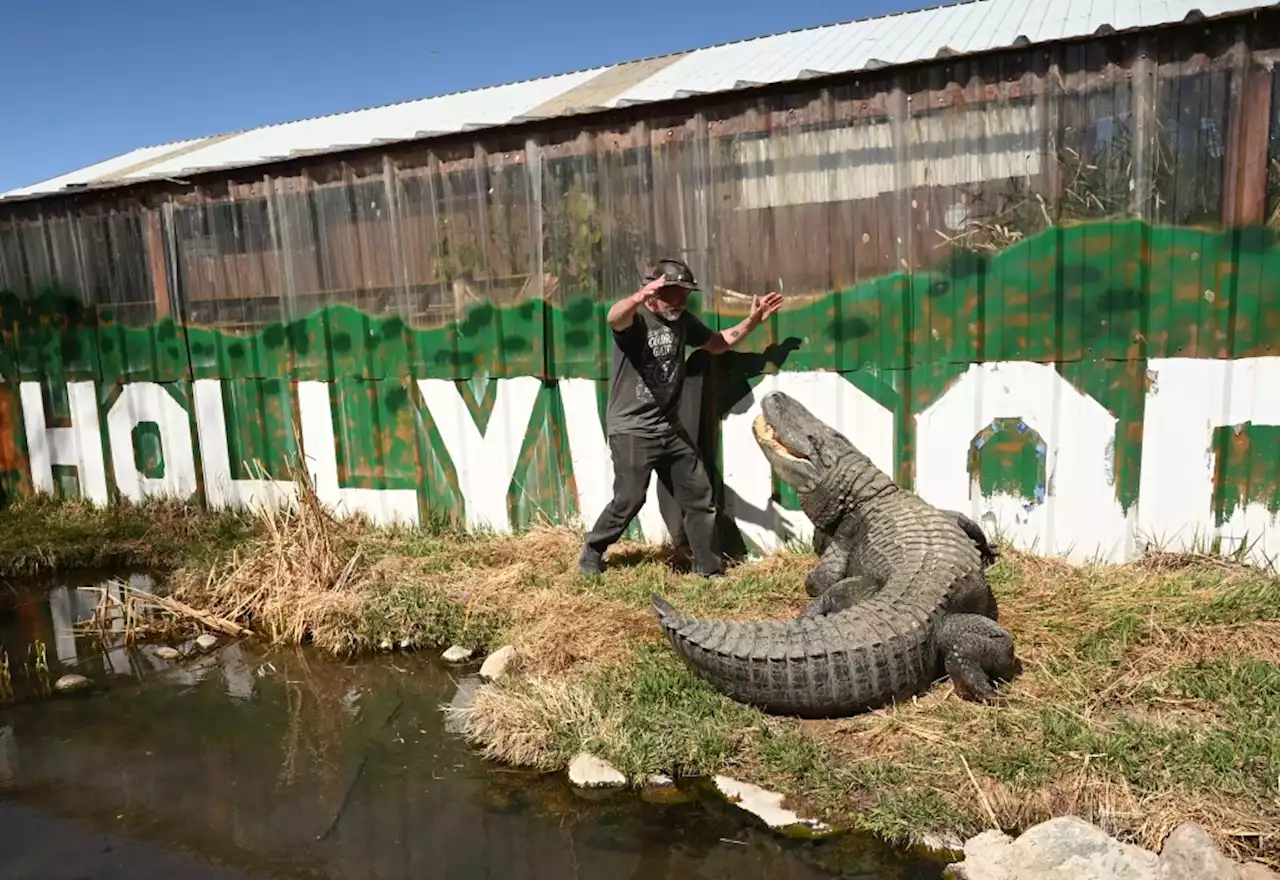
(85, 81)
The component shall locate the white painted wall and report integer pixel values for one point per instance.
(141, 402)
(1187, 399)
(1080, 517)
(78, 446)
(221, 489)
(320, 452)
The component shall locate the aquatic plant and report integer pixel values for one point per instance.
(38, 651)
(6, 677)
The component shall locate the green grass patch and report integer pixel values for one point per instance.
(405, 613)
(43, 535)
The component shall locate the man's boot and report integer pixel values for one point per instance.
(591, 561)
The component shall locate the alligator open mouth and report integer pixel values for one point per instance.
(767, 435)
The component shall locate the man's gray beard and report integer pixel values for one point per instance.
(669, 313)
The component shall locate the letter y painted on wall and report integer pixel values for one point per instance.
(485, 462)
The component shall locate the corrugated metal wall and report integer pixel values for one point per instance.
(1101, 209)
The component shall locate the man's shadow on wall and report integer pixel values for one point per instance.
(714, 387)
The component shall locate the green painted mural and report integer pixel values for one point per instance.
(1099, 307)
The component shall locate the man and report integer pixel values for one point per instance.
(650, 331)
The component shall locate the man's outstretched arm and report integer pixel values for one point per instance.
(722, 341)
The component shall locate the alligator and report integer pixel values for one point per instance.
(839, 581)
(929, 613)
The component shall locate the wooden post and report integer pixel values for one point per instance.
(1244, 198)
(155, 262)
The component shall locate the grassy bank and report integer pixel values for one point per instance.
(1152, 695)
(1151, 692)
(43, 536)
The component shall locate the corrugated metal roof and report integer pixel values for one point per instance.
(962, 29)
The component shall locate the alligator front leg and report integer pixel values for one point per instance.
(977, 650)
(831, 568)
(834, 550)
(841, 595)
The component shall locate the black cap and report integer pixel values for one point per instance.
(676, 274)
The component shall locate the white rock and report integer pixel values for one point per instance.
(1189, 853)
(1071, 847)
(385, 645)
(456, 654)
(588, 771)
(164, 652)
(765, 804)
(659, 780)
(71, 682)
(206, 641)
(988, 856)
(1256, 871)
(495, 665)
(1066, 846)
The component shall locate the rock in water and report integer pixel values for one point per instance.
(495, 665)
(1063, 847)
(765, 804)
(455, 712)
(206, 641)
(456, 654)
(588, 771)
(70, 683)
(164, 652)
(1189, 853)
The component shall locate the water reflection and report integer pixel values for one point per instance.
(287, 764)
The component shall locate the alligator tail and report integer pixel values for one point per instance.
(809, 667)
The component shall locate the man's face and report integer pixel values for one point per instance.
(670, 302)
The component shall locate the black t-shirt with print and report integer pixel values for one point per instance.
(648, 372)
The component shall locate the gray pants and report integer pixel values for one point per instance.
(681, 472)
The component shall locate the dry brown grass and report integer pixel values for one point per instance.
(553, 628)
(301, 577)
(307, 577)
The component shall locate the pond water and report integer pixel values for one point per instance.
(247, 763)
